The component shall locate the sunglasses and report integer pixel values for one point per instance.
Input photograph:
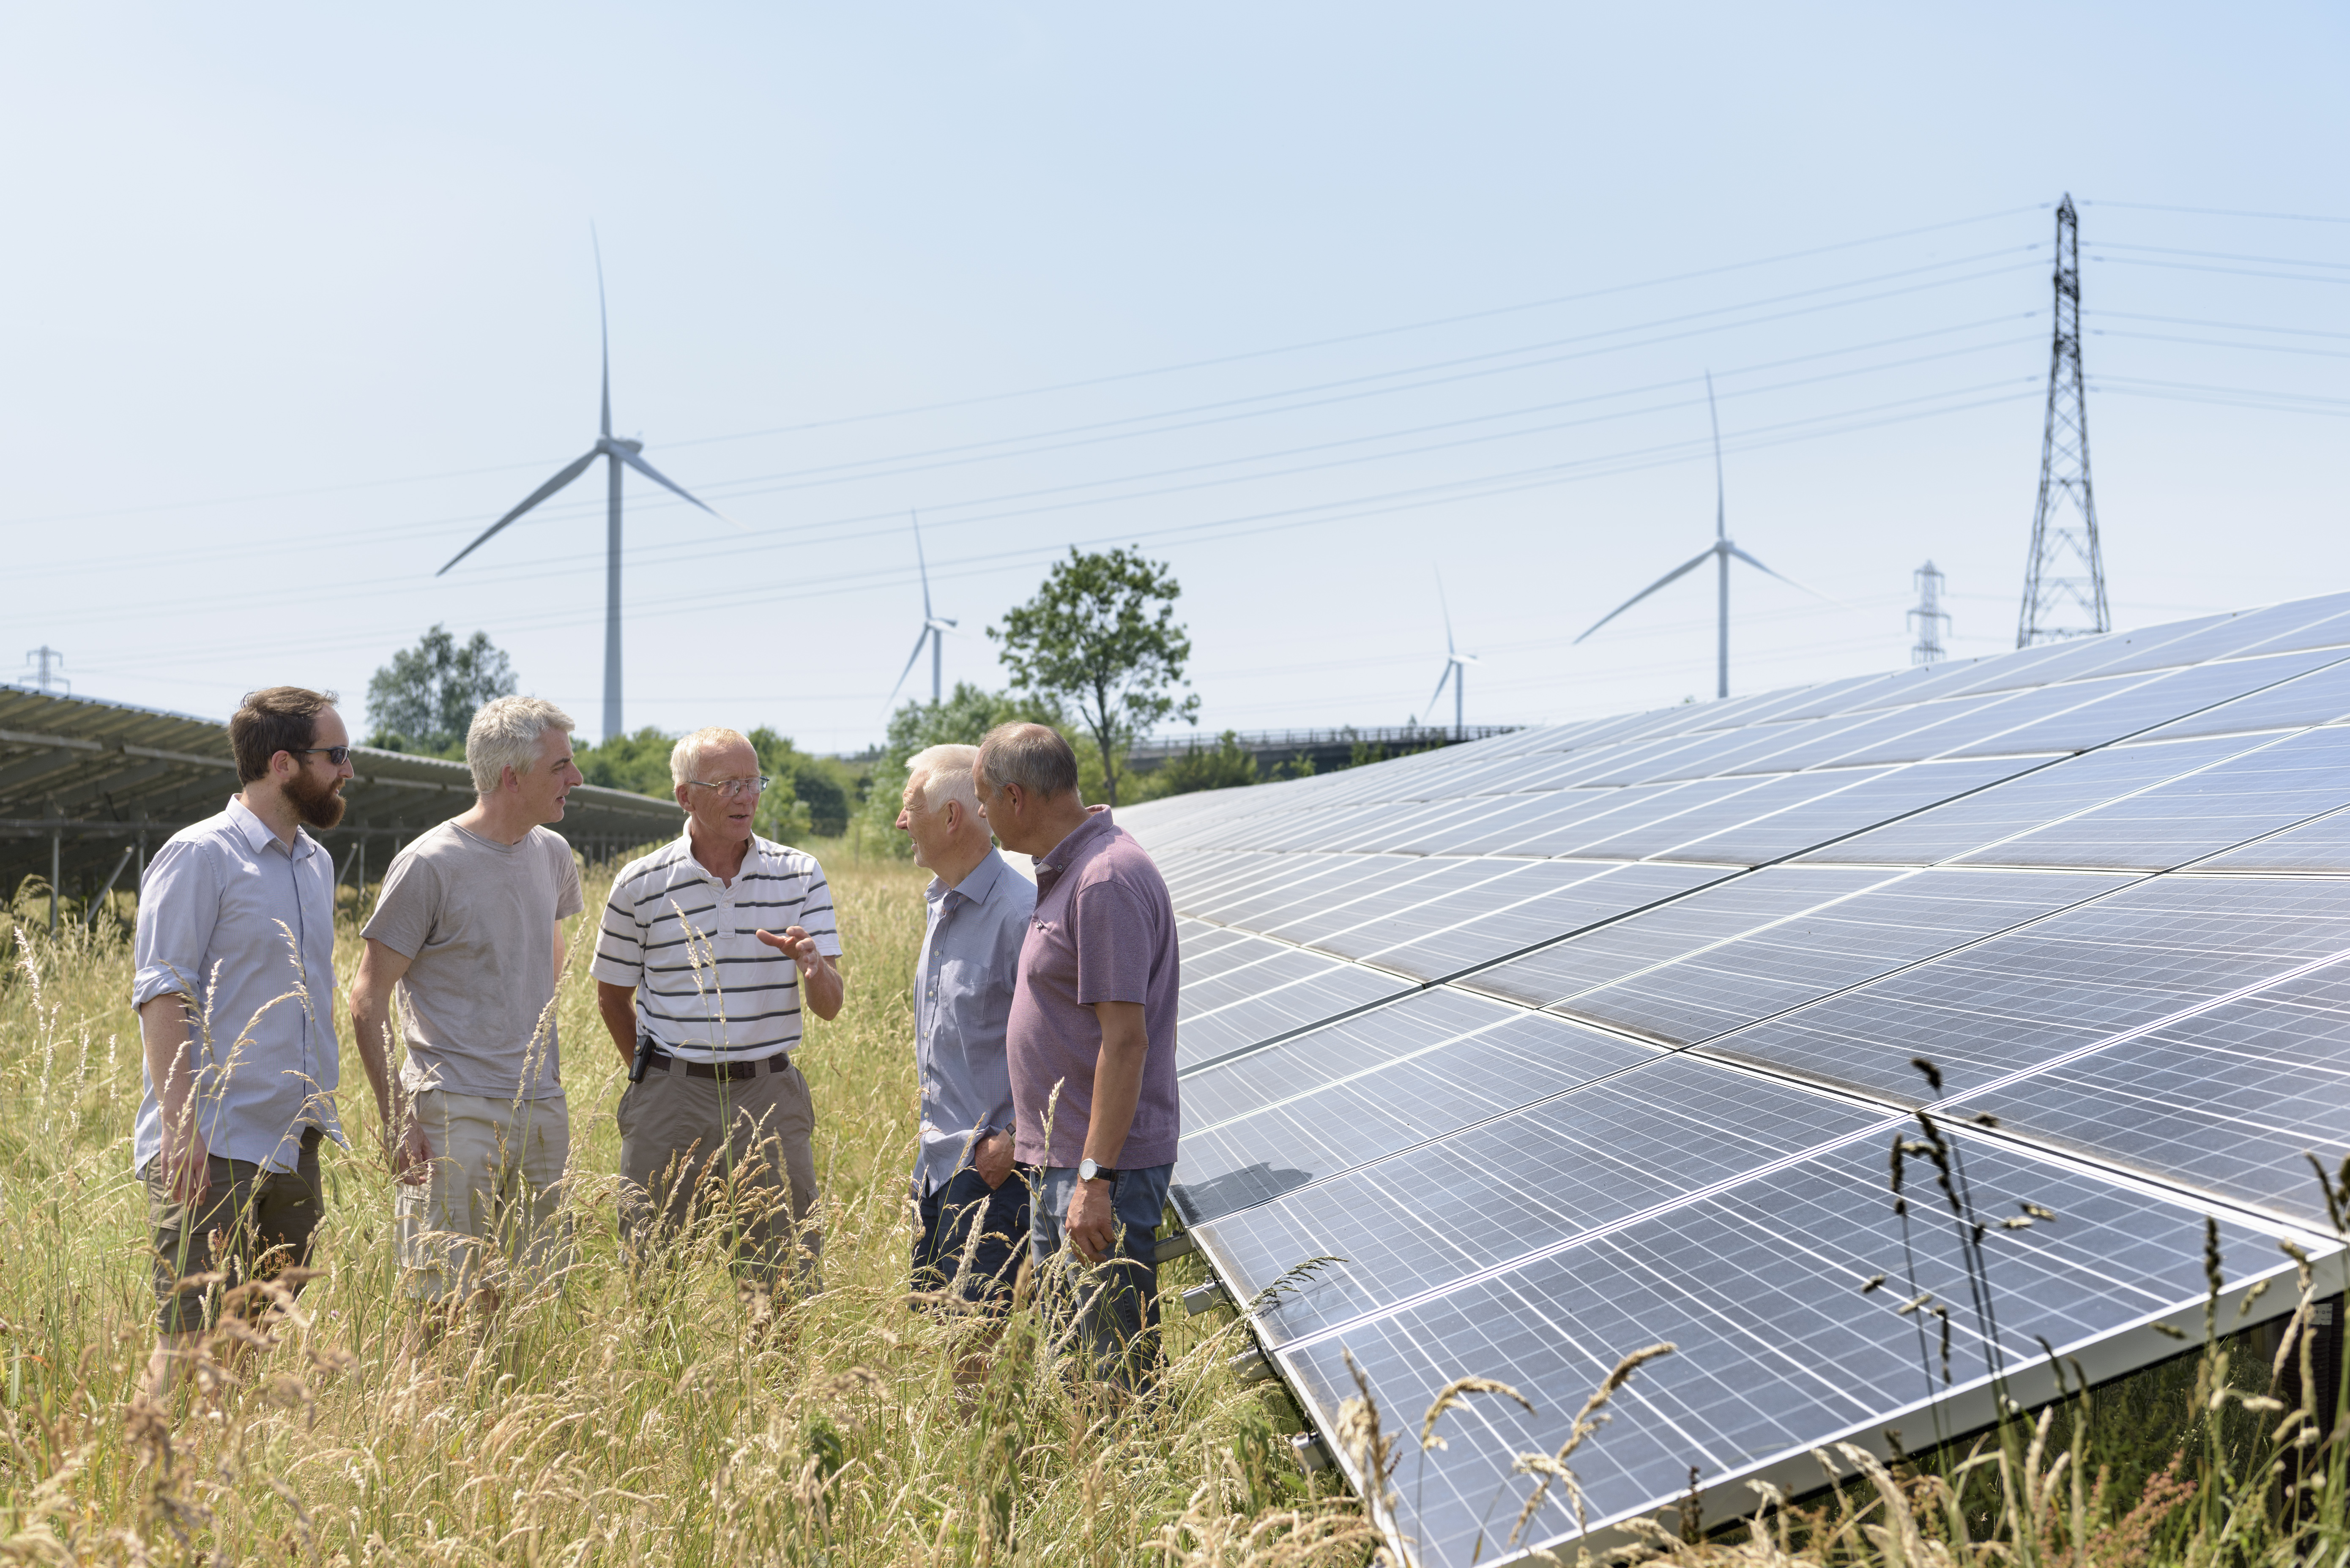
(337, 755)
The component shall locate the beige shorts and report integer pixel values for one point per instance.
(491, 1212)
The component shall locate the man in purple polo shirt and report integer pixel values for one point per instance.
(1091, 1041)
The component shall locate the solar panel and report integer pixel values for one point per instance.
(2321, 847)
(1650, 1133)
(2233, 1100)
(1559, 1043)
(1331, 989)
(1833, 814)
(2248, 796)
(1835, 945)
(2145, 703)
(2028, 801)
(2320, 697)
(1338, 1123)
(1778, 1352)
(2073, 980)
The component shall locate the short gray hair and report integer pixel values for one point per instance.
(506, 734)
(945, 772)
(685, 757)
(1033, 756)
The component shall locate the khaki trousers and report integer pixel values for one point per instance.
(493, 1189)
(739, 1152)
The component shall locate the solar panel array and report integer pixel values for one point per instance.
(1583, 1038)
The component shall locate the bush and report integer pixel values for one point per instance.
(1226, 766)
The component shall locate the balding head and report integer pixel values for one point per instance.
(1031, 756)
(1026, 776)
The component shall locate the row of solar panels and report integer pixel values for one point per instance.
(1580, 1039)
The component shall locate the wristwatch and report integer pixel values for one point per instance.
(1087, 1171)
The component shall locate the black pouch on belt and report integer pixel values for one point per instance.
(644, 1058)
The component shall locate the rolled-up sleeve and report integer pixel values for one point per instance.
(179, 900)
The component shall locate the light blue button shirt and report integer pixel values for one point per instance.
(223, 910)
(962, 998)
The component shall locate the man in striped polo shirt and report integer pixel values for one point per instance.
(708, 946)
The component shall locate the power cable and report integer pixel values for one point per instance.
(2220, 255)
(2227, 325)
(1376, 332)
(2218, 211)
(2199, 266)
(2223, 343)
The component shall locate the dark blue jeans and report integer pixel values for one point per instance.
(946, 1256)
(1111, 1309)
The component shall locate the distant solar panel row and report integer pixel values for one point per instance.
(1583, 1038)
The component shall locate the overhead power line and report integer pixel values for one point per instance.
(2219, 212)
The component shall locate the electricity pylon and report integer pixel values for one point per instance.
(2065, 590)
(1931, 621)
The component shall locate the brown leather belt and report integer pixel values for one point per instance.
(724, 1071)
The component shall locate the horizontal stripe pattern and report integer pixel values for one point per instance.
(707, 988)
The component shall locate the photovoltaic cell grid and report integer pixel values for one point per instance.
(1593, 1035)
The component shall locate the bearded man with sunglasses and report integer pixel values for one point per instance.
(708, 947)
(236, 994)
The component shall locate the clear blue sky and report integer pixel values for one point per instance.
(299, 299)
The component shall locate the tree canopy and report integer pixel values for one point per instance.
(425, 699)
(1226, 765)
(1100, 638)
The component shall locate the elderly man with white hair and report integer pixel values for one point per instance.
(971, 1203)
(467, 932)
(708, 946)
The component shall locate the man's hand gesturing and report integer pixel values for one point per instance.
(796, 945)
(819, 976)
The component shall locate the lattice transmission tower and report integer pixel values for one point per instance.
(2065, 590)
(1930, 620)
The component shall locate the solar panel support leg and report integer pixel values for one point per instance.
(56, 860)
(1311, 1454)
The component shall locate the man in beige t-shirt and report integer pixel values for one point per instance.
(466, 932)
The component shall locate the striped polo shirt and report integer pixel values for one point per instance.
(707, 988)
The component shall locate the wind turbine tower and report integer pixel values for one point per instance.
(2064, 586)
(1455, 663)
(1720, 552)
(617, 451)
(934, 630)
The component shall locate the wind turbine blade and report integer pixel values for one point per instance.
(604, 327)
(1714, 418)
(658, 477)
(922, 565)
(1440, 679)
(569, 473)
(1684, 569)
(922, 637)
(1445, 605)
(1789, 581)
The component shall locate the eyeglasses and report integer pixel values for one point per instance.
(337, 755)
(731, 787)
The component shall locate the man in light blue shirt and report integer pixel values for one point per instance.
(235, 993)
(973, 1204)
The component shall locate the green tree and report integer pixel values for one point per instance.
(425, 699)
(637, 763)
(1100, 638)
(1225, 766)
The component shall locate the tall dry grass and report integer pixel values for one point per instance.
(615, 1418)
(602, 1419)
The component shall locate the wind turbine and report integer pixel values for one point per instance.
(617, 451)
(1720, 552)
(934, 628)
(1455, 662)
